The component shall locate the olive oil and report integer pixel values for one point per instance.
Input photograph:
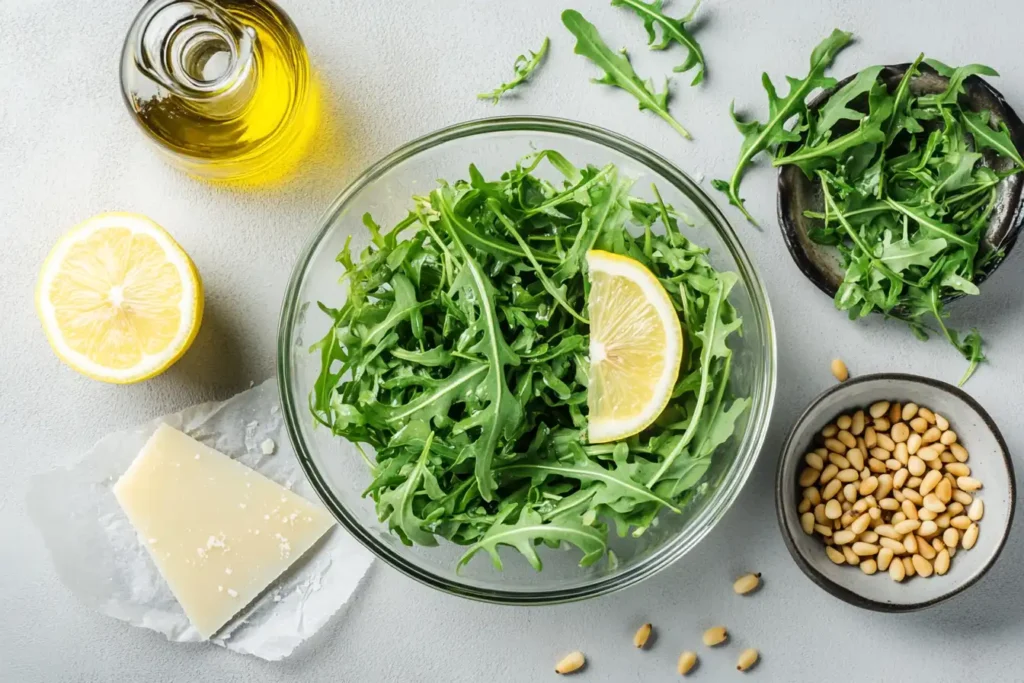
(224, 88)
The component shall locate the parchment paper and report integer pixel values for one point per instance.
(99, 557)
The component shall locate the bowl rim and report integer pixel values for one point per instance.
(762, 400)
(782, 507)
(784, 191)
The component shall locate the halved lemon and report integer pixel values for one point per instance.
(119, 300)
(636, 347)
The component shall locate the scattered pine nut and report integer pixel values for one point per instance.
(641, 636)
(747, 583)
(687, 661)
(969, 484)
(942, 562)
(976, 511)
(970, 536)
(748, 658)
(839, 370)
(896, 570)
(573, 661)
(716, 635)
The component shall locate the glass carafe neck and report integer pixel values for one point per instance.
(197, 51)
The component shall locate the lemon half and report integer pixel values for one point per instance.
(119, 300)
(636, 347)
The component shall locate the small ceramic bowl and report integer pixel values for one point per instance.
(797, 193)
(989, 462)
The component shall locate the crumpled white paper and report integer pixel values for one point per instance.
(99, 557)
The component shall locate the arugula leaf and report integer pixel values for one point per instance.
(618, 71)
(524, 67)
(459, 358)
(836, 108)
(673, 30)
(758, 137)
(986, 137)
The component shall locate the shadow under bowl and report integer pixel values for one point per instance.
(797, 193)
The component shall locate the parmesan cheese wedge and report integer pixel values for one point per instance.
(219, 532)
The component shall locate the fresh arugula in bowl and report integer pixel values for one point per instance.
(460, 357)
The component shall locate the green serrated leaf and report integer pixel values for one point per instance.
(524, 67)
(673, 30)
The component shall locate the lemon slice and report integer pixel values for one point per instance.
(119, 300)
(636, 347)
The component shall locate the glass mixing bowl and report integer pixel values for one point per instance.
(338, 473)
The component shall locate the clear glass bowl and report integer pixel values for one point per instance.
(338, 473)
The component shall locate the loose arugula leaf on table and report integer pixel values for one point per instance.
(459, 357)
(672, 30)
(907, 195)
(618, 71)
(759, 137)
(524, 67)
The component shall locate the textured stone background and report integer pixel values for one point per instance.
(396, 70)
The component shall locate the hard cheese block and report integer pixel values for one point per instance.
(218, 531)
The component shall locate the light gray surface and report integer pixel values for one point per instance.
(396, 70)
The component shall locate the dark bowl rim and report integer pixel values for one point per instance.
(764, 398)
(839, 591)
(784, 199)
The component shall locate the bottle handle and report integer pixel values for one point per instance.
(175, 39)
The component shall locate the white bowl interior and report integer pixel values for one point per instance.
(986, 461)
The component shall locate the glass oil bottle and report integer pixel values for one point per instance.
(223, 87)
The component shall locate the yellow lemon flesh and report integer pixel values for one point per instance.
(636, 347)
(119, 300)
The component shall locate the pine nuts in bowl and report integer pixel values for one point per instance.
(895, 492)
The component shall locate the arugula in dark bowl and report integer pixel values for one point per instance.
(903, 192)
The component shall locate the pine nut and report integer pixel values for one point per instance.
(896, 571)
(875, 515)
(846, 476)
(886, 442)
(835, 446)
(954, 509)
(958, 469)
(931, 436)
(941, 422)
(898, 495)
(942, 562)
(930, 481)
(914, 483)
(885, 556)
(833, 510)
(970, 536)
(938, 544)
(809, 476)
(910, 543)
(909, 510)
(962, 497)
(879, 409)
(868, 486)
(927, 453)
(928, 415)
(850, 492)
(936, 464)
(895, 411)
(855, 458)
(812, 494)
(716, 635)
(850, 556)
(839, 461)
(906, 526)
(839, 370)
(946, 458)
(897, 517)
(928, 529)
(913, 496)
(919, 425)
(844, 422)
(882, 424)
(573, 661)
(843, 537)
(900, 478)
(944, 491)
(900, 432)
(847, 439)
(641, 636)
(828, 431)
(948, 438)
(827, 473)
(901, 453)
(823, 529)
(959, 452)
(868, 536)
(909, 412)
(887, 531)
(835, 555)
(932, 502)
(748, 657)
(916, 466)
(893, 465)
(889, 544)
(968, 484)
(913, 443)
(922, 566)
(814, 461)
(976, 511)
(847, 518)
(831, 489)
(961, 522)
(884, 486)
(861, 505)
(869, 567)
(942, 521)
(864, 549)
(687, 661)
(819, 514)
(908, 565)
(889, 504)
(924, 549)
(857, 423)
(860, 524)
(926, 515)
(951, 537)
(870, 437)
(804, 506)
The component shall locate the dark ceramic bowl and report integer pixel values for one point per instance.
(989, 461)
(796, 194)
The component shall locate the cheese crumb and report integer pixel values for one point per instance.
(220, 589)
(268, 446)
(152, 540)
(227, 570)
(232, 592)
(241, 506)
(197, 456)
